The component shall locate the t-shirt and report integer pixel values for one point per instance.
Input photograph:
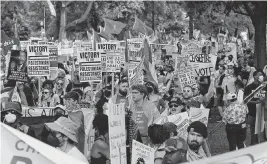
(74, 152)
(251, 107)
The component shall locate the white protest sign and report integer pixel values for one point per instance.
(113, 61)
(199, 114)
(107, 46)
(142, 153)
(135, 55)
(38, 60)
(231, 49)
(86, 46)
(181, 120)
(90, 66)
(117, 135)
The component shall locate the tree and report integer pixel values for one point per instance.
(257, 12)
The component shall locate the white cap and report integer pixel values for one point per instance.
(231, 96)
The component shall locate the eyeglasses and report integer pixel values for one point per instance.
(173, 106)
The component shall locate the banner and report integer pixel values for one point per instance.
(90, 66)
(142, 153)
(113, 61)
(17, 69)
(256, 154)
(38, 60)
(199, 114)
(181, 120)
(117, 135)
(21, 148)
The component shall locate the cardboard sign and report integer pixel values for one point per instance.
(38, 60)
(199, 114)
(142, 153)
(17, 66)
(117, 139)
(113, 61)
(90, 66)
(182, 122)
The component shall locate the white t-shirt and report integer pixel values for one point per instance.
(74, 152)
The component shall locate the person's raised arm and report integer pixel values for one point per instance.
(211, 90)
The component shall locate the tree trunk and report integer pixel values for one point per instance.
(259, 24)
(191, 25)
(62, 32)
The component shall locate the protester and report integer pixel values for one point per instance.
(154, 97)
(176, 106)
(49, 99)
(76, 115)
(234, 117)
(88, 96)
(64, 132)
(121, 95)
(100, 152)
(59, 90)
(258, 79)
(229, 80)
(11, 114)
(23, 94)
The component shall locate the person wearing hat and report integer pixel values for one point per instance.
(197, 133)
(234, 116)
(76, 115)
(64, 131)
(145, 113)
(176, 106)
(10, 115)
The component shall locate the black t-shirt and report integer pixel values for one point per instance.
(251, 107)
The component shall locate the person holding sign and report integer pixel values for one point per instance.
(64, 132)
(100, 152)
(145, 113)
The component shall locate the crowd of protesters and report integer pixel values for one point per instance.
(224, 91)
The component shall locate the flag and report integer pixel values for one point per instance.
(104, 34)
(140, 26)
(149, 65)
(51, 8)
(113, 27)
(96, 38)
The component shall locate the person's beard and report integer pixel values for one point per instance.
(123, 93)
(194, 146)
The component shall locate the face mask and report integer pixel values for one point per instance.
(261, 79)
(10, 118)
(53, 140)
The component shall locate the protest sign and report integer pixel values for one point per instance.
(86, 46)
(142, 153)
(17, 66)
(102, 47)
(21, 148)
(113, 61)
(181, 120)
(42, 42)
(53, 56)
(90, 66)
(250, 155)
(38, 60)
(199, 114)
(135, 55)
(24, 44)
(202, 63)
(135, 75)
(103, 61)
(117, 139)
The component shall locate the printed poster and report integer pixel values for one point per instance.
(53, 57)
(142, 154)
(199, 114)
(113, 61)
(135, 55)
(38, 60)
(103, 47)
(181, 120)
(90, 66)
(117, 139)
(135, 75)
(103, 61)
(17, 69)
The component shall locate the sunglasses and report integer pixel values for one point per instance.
(59, 83)
(45, 92)
(173, 106)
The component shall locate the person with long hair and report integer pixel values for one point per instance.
(48, 98)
